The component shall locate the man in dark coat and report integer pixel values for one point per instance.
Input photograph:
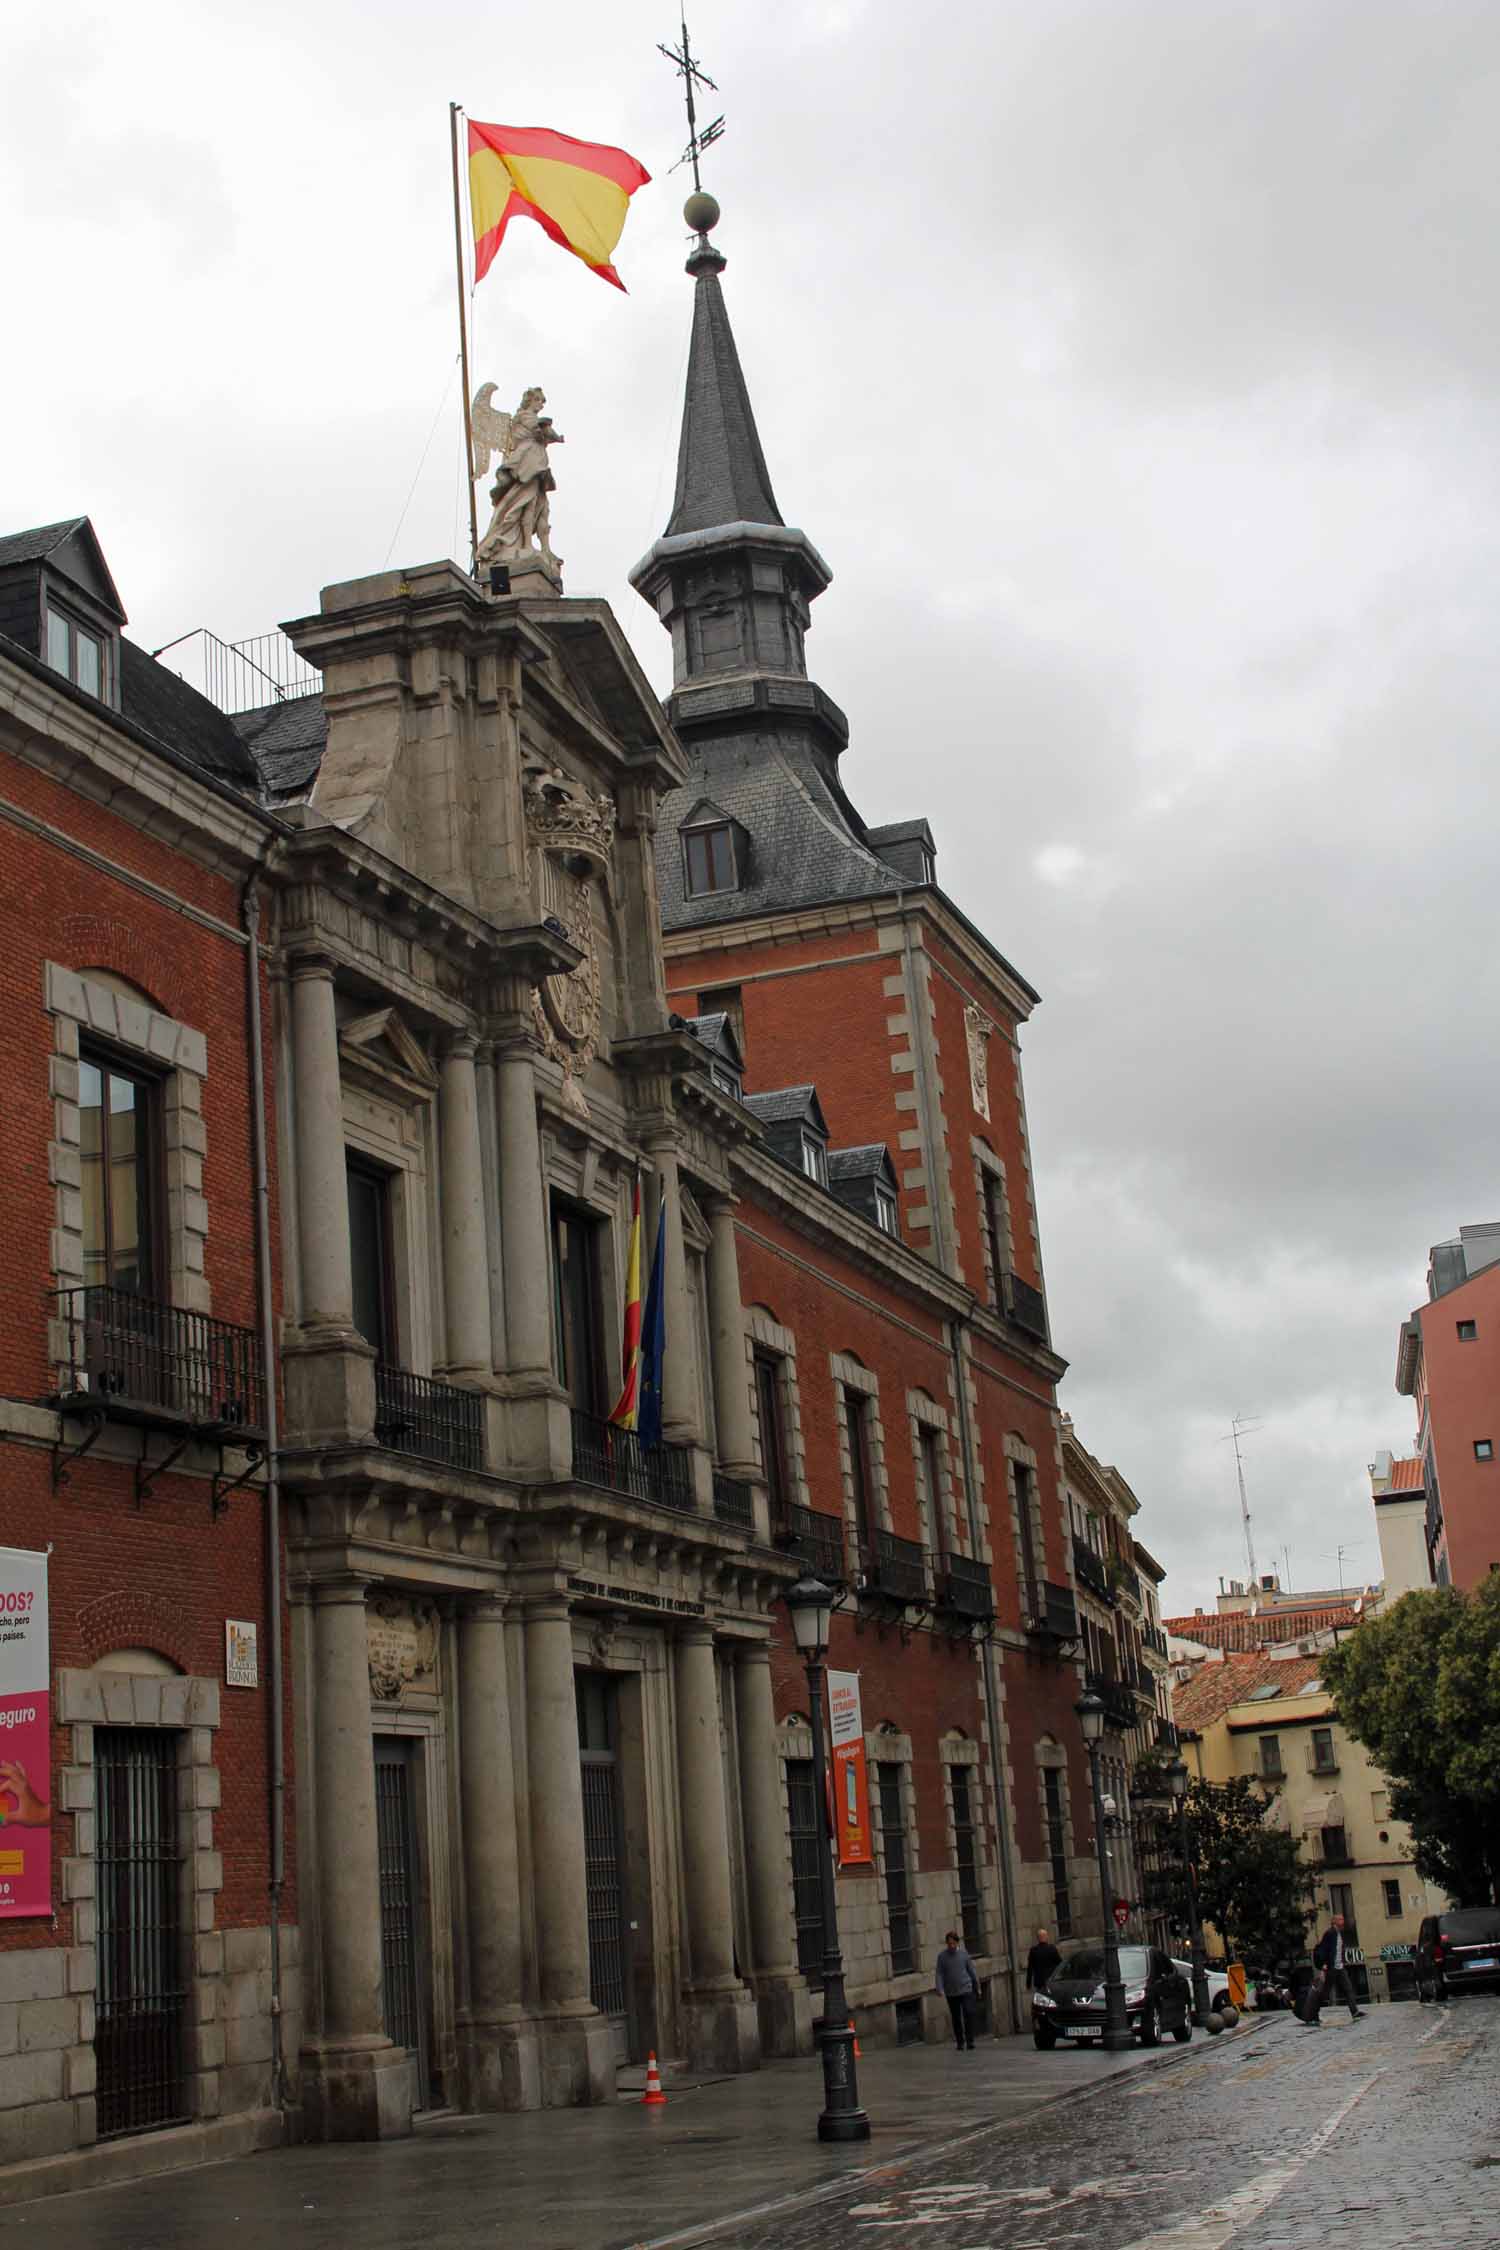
(1042, 1963)
(1332, 1975)
(958, 1981)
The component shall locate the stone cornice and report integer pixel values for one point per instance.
(97, 753)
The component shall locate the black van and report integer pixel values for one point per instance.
(1459, 1952)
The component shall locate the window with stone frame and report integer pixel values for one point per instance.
(770, 1403)
(1024, 1501)
(122, 1157)
(1054, 1815)
(929, 1443)
(856, 1411)
(963, 1793)
(994, 1221)
(896, 1867)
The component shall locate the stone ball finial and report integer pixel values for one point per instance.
(701, 211)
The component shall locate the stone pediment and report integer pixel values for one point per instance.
(381, 1045)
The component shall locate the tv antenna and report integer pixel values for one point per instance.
(1243, 1425)
(687, 70)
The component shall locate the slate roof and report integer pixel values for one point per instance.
(722, 476)
(286, 741)
(870, 1161)
(1242, 1630)
(165, 707)
(716, 1033)
(1216, 1688)
(40, 542)
(803, 849)
(787, 1105)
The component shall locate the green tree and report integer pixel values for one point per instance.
(1419, 1685)
(1252, 1883)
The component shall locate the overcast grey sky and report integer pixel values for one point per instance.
(1133, 362)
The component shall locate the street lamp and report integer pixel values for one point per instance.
(1091, 1717)
(1176, 1776)
(810, 1603)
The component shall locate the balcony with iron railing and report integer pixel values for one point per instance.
(964, 1589)
(1155, 1639)
(734, 1501)
(427, 1418)
(1168, 1736)
(1090, 1572)
(1117, 1697)
(814, 1540)
(894, 1570)
(1026, 1307)
(604, 1454)
(1052, 1612)
(129, 1358)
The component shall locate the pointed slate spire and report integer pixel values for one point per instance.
(722, 476)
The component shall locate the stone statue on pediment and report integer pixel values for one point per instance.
(521, 524)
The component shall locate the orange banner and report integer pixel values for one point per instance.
(851, 1778)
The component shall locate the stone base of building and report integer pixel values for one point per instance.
(500, 2065)
(357, 2090)
(576, 2060)
(721, 2030)
(330, 1387)
(784, 2006)
(144, 2156)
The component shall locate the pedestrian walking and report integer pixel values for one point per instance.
(1329, 1957)
(958, 1981)
(1042, 1963)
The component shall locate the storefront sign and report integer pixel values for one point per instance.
(25, 1736)
(851, 1779)
(241, 1662)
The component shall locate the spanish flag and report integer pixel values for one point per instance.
(628, 1404)
(579, 191)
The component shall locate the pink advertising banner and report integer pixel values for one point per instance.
(25, 1736)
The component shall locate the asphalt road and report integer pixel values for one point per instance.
(1383, 2133)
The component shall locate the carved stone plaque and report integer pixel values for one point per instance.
(403, 1645)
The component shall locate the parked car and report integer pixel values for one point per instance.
(1459, 1952)
(1072, 2007)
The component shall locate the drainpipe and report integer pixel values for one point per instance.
(991, 1694)
(266, 1310)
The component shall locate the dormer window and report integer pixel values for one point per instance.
(709, 858)
(726, 1080)
(885, 1211)
(74, 651)
(815, 1159)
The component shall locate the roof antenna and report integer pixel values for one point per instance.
(687, 70)
(1243, 1425)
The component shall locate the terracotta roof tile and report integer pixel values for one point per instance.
(1407, 1476)
(1216, 1688)
(1244, 1630)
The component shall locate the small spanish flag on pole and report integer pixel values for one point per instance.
(577, 191)
(627, 1406)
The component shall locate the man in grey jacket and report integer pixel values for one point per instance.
(958, 1982)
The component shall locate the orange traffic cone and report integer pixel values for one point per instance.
(653, 2098)
(857, 2055)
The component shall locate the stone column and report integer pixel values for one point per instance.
(576, 2064)
(771, 1930)
(466, 1293)
(681, 1416)
(498, 2052)
(523, 1216)
(726, 1315)
(489, 1157)
(322, 1189)
(358, 2086)
(719, 2014)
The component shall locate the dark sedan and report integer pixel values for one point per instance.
(1072, 2007)
(1459, 1952)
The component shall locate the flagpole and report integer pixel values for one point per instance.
(463, 346)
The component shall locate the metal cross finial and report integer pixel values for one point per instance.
(687, 70)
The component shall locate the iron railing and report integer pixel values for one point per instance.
(965, 1589)
(140, 1948)
(1117, 1698)
(1168, 1737)
(734, 1501)
(815, 1540)
(1026, 1307)
(604, 1454)
(143, 1361)
(895, 1568)
(1089, 1570)
(1052, 1611)
(1154, 1638)
(241, 675)
(1137, 1676)
(436, 1421)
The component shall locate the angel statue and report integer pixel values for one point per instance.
(523, 480)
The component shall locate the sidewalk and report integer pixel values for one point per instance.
(616, 2178)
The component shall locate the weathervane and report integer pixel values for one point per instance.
(687, 70)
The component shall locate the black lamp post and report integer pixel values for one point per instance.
(1117, 2034)
(1177, 1782)
(811, 1605)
